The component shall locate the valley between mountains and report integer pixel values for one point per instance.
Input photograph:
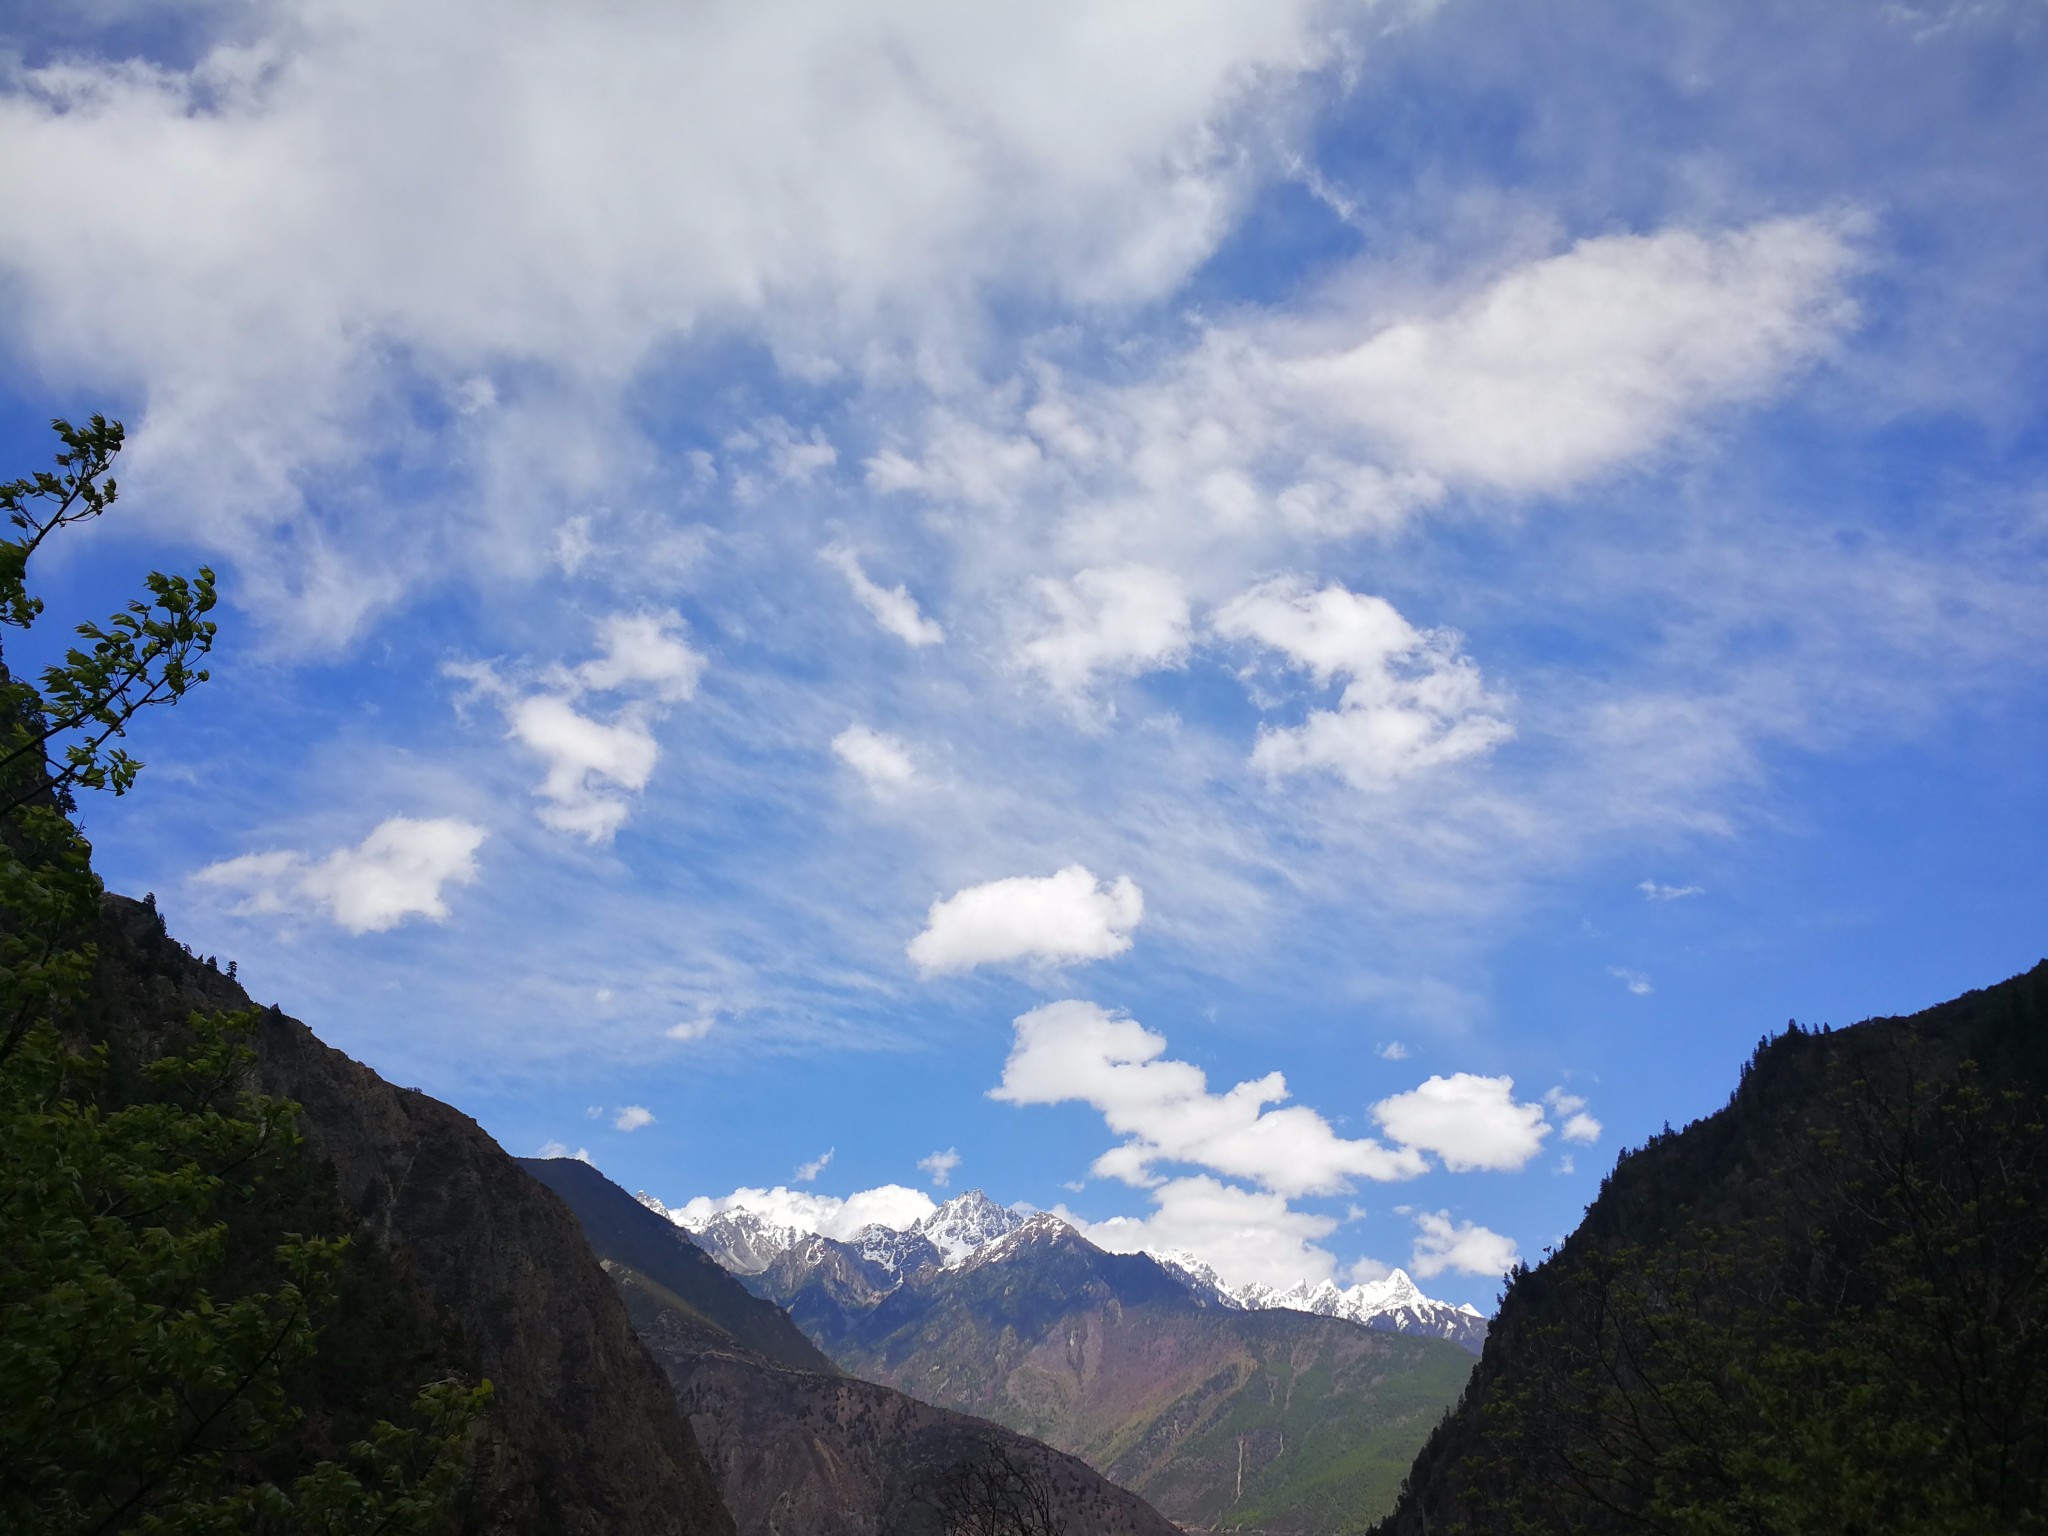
(1289, 1411)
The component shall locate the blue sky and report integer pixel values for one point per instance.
(906, 580)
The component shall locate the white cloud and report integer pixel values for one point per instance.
(1393, 1050)
(1054, 919)
(1076, 1051)
(693, 1029)
(561, 1149)
(311, 218)
(1116, 622)
(940, 1165)
(643, 653)
(888, 1205)
(1571, 1109)
(808, 1172)
(1410, 701)
(1465, 1247)
(883, 761)
(1470, 1122)
(1569, 365)
(1652, 891)
(594, 766)
(1244, 1235)
(398, 871)
(1635, 981)
(632, 1118)
(1366, 1271)
(893, 607)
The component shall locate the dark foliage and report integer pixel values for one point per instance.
(190, 1341)
(1820, 1310)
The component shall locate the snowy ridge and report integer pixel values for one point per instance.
(972, 1229)
(743, 1242)
(1395, 1302)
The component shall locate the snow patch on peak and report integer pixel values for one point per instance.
(743, 1242)
(655, 1205)
(965, 1225)
(1028, 1231)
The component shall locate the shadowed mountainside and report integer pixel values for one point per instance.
(585, 1439)
(804, 1452)
(1819, 1309)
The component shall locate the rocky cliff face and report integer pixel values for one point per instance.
(588, 1440)
(809, 1452)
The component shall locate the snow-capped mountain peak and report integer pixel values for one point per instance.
(966, 1224)
(744, 1242)
(1393, 1302)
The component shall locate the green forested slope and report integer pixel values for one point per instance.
(1819, 1310)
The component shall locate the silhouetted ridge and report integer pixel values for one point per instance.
(1819, 1309)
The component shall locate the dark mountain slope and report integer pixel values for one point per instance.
(1820, 1309)
(619, 1229)
(810, 1452)
(587, 1439)
(1271, 1420)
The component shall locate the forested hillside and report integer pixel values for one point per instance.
(1819, 1310)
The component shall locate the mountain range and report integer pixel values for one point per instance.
(798, 1447)
(1219, 1408)
(750, 1244)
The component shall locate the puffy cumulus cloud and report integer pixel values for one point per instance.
(1244, 1235)
(595, 765)
(893, 607)
(883, 761)
(1637, 983)
(632, 1118)
(1053, 919)
(1410, 700)
(1470, 1122)
(807, 1173)
(398, 871)
(561, 1149)
(1569, 365)
(642, 653)
(328, 203)
(887, 1205)
(940, 1165)
(1116, 622)
(1077, 1051)
(1466, 1247)
(1571, 1109)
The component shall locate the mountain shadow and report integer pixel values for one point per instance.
(798, 1447)
(1818, 1310)
(463, 1263)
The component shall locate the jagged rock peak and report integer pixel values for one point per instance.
(965, 1225)
(1030, 1232)
(744, 1241)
